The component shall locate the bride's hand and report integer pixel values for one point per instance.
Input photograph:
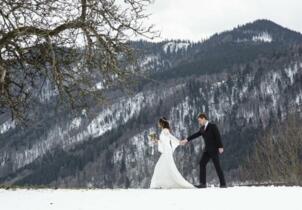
(155, 140)
(183, 142)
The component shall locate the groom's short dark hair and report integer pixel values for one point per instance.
(202, 116)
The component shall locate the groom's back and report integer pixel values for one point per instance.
(211, 137)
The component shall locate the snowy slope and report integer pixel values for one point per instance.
(263, 37)
(234, 198)
(175, 46)
(250, 96)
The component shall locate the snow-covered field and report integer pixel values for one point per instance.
(233, 198)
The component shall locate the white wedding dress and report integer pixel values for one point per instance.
(166, 174)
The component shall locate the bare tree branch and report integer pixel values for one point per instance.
(71, 43)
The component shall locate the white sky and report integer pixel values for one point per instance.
(196, 19)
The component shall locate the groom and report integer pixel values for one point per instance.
(213, 147)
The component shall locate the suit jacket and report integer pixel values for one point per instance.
(211, 137)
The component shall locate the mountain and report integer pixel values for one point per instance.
(259, 31)
(246, 79)
(241, 45)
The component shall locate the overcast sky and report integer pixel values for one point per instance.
(196, 19)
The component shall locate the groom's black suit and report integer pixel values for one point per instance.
(212, 141)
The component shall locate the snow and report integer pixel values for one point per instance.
(84, 112)
(219, 83)
(47, 92)
(291, 72)
(175, 46)
(99, 86)
(110, 117)
(6, 126)
(235, 198)
(149, 59)
(263, 37)
(298, 99)
(75, 123)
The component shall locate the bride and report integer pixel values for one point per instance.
(166, 175)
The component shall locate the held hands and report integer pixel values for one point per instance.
(183, 142)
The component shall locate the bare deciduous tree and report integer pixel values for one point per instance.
(277, 157)
(67, 42)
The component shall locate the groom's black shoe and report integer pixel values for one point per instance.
(223, 186)
(201, 186)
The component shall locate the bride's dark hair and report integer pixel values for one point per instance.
(164, 123)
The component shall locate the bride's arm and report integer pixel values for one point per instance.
(174, 139)
(159, 145)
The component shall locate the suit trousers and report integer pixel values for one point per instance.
(206, 156)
